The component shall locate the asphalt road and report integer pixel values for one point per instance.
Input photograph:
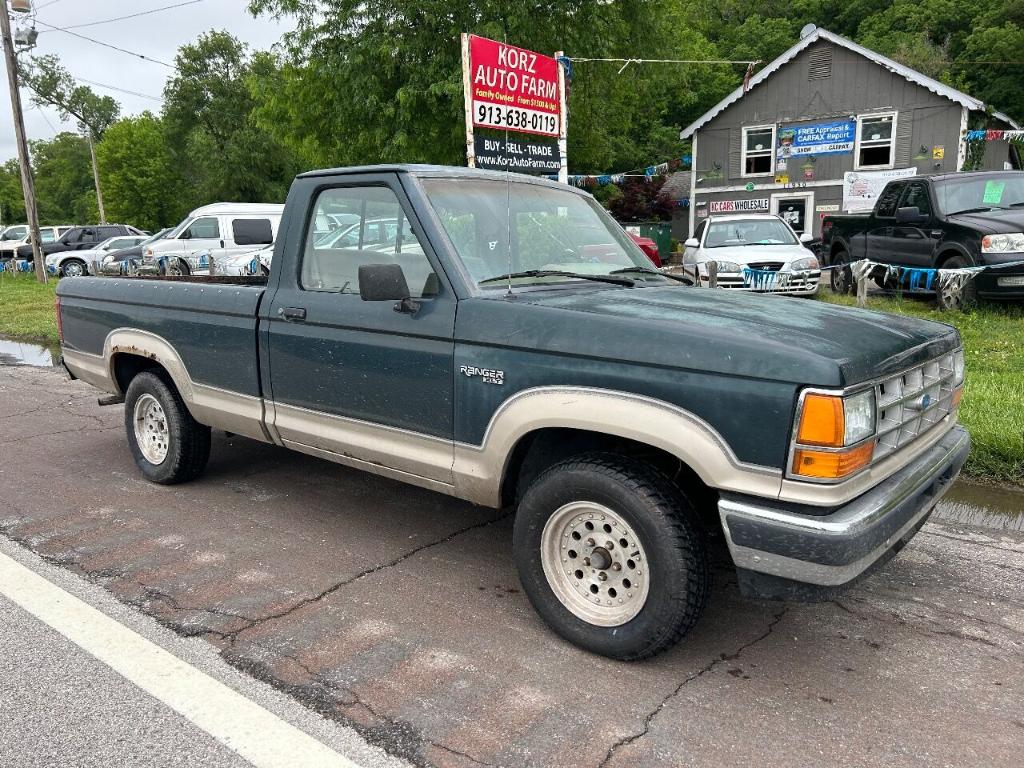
(398, 612)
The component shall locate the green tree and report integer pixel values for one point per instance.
(51, 84)
(221, 152)
(143, 187)
(12, 202)
(64, 183)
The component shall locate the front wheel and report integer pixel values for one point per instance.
(73, 268)
(957, 294)
(610, 553)
(168, 445)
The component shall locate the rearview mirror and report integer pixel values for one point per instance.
(806, 237)
(386, 282)
(910, 215)
(692, 242)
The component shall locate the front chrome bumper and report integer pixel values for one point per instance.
(781, 553)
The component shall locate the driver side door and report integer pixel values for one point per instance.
(359, 381)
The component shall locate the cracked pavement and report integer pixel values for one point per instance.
(398, 611)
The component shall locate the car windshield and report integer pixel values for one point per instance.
(723, 234)
(501, 228)
(14, 233)
(979, 193)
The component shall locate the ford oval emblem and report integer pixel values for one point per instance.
(920, 403)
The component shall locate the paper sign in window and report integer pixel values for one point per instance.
(993, 192)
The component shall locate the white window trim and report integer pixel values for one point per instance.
(892, 142)
(743, 150)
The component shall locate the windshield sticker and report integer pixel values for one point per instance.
(993, 192)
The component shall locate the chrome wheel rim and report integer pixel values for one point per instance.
(73, 269)
(151, 432)
(594, 563)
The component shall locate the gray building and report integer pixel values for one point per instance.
(822, 128)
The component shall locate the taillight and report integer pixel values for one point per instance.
(60, 322)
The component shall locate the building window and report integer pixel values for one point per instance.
(759, 150)
(876, 140)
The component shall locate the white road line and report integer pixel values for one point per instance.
(255, 733)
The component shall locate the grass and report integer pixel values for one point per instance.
(26, 308)
(992, 409)
(993, 403)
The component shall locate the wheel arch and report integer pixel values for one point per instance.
(548, 421)
(949, 250)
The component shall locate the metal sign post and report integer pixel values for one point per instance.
(563, 123)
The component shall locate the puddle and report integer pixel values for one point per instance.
(25, 353)
(983, 505)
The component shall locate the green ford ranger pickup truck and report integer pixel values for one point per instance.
(500, 339)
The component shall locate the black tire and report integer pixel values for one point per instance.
(75, 266)
(965, 297)
(841, 276)
(665, 525)
(188, 441)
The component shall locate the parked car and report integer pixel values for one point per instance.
(126, 261)
(752, 252)
(945, 221)
(248, 263)
(87, 262)
(13, 238)
(648, 246)
(625, 417)
(216, 231)
(81, 239)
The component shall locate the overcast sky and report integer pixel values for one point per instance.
(157, 35)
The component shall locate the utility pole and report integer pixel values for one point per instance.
(96, 177)
(27, 184)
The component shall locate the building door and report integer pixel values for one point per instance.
(796, 209)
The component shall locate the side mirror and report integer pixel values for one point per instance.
(692, 242)
(910, 215)
(386, 282)
(806, 237)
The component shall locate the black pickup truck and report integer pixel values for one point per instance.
(938, 222)
(505, 342)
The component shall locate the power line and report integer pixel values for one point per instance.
(108, 45)
(45, 116)
(131, 15)
(46, 5)
(119, 90)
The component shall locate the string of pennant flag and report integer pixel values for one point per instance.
(995, 135)
(648, 172)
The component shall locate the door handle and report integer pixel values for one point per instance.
(292, 313)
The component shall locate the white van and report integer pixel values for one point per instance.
(213, 232)
(16, 236)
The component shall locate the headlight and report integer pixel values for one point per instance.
(801, 265)
(725, 266)
(1009, 243)
(833, 435)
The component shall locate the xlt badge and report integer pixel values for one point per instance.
(488, 375)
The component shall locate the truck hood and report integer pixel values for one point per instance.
(768, 337)
(994, 222)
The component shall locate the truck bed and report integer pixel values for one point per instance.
(210, 322)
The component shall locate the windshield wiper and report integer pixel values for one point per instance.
(646, 271)
(559, 273)
(980, 209)
(1018, 204)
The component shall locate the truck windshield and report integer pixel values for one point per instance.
(732, 232)
(501, 228)
(979, 193)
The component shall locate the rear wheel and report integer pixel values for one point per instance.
(168, 445)
(841, 276)
(610, 553)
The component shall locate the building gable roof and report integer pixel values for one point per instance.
(823, 34)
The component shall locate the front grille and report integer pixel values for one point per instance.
(912, 402)
(774, 266)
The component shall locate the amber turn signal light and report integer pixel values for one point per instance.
(822, 421)
(832, 465)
